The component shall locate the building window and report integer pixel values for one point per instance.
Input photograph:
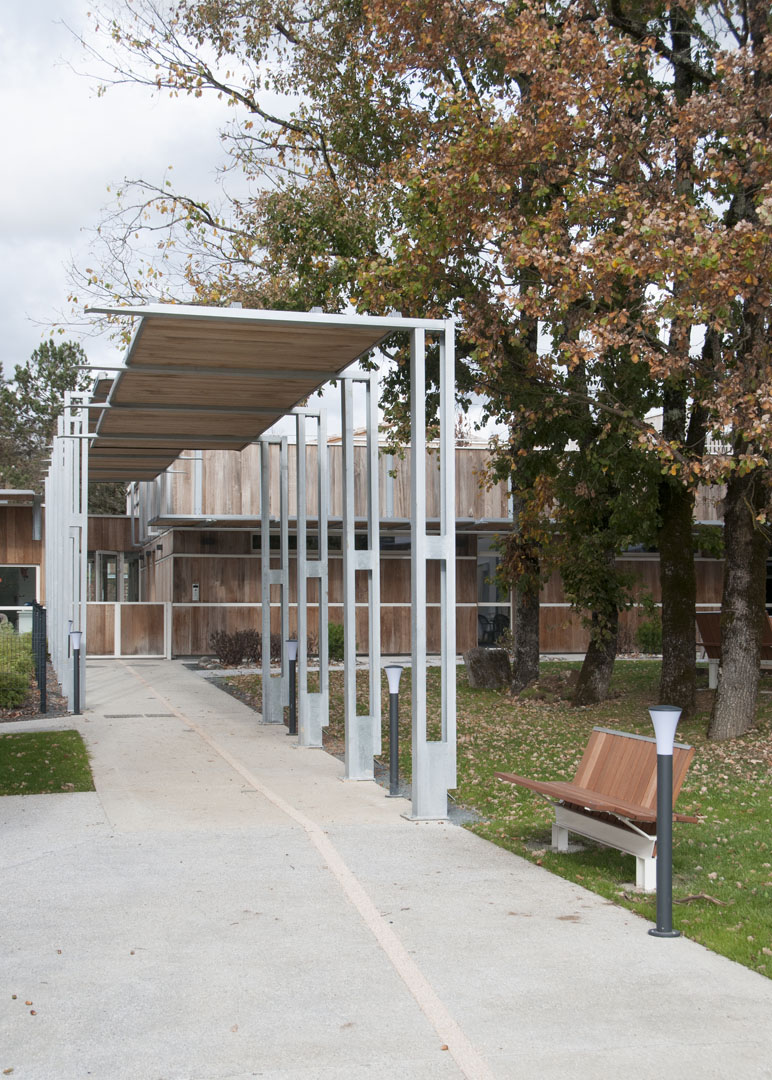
(18, 589)
(493, 603)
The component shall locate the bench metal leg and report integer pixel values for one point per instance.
(712, 674)
(646, 873)
(559, 838)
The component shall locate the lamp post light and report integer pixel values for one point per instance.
(292, 656)
(75, 641)
(665, 719)
(69, 642)
(393, 674)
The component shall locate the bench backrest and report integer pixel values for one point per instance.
(624, 766)
(709, 626)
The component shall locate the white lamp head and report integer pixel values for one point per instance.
(292, 649)
(665, 719)
(393, 674)
(75, 639)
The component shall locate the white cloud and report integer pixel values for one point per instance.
(62, 147)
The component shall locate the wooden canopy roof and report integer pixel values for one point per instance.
(197, 378)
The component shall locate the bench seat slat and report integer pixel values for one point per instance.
(572, 793)
(591, 800)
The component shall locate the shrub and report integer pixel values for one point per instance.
(335, 640)
(16, 651)
(231, 649)
(251, 648)
(649, 636)
(13, 688)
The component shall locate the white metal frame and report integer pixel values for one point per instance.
(275, 687)
(67, 541)
(635, 842)
(434, 760)
(313, 706)
(362, 733)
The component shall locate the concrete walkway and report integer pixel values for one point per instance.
(224, 907)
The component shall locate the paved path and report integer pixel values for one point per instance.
(224, 907)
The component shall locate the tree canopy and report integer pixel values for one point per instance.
(585, 185)
(31, 402)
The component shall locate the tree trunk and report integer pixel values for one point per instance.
(598, 666)
(742, 607)
(525, 630)
(679, 596)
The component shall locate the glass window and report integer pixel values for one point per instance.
(17, 587)
(398, 543)
(487, 561)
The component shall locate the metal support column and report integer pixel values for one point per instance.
(313, 706)
(362, 733)
(67, 539)
(434, 761)
(275, 687)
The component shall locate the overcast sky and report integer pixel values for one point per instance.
(62, 147)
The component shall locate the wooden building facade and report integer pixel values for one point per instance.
(22, 565)
(187, 561)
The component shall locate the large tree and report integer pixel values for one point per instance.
(31, 402)
(580, 183)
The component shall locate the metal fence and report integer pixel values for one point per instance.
(23, 655)
(39, 652)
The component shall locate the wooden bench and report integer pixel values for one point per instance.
(709, 626)
(613, 797)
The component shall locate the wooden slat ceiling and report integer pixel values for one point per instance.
(217, 378)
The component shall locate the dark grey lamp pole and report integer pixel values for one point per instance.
(393, 674)
(75, 642)
(665, 719)
(292, 656)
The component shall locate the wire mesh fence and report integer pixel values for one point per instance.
(22, 657)
(40, 652)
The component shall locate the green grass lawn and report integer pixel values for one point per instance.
(45, 762)
(724, 863)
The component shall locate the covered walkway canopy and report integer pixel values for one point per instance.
(198, 378)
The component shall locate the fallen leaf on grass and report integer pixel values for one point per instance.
(702, 896)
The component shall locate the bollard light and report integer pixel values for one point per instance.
(292, 655)
(75, 641)
(665, 719)
(393, 675)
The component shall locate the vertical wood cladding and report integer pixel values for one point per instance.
(237, 580)
(100, 630)
(230, 483)
(142, 629)
(109, 533)
(17, 548)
